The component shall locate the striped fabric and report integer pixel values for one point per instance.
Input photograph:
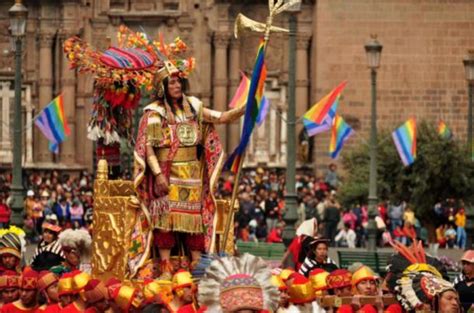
(10, 243)
(53, 247)
(310, 264)
(127, 58)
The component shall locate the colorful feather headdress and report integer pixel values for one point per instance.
(122, 74)
(415, 277)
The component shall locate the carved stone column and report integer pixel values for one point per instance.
(45, 83)
(233, 130)
(68, 88)
(221, 42)
(302, 71)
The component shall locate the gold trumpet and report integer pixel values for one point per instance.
(244, 23)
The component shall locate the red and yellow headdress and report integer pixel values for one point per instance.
(318, 280)
(339, 279)
(9, 279)
(46, 279)
(121, 74)
(29, 279)
(95, 291)
(300, 290)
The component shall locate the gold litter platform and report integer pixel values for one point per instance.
(115, 209)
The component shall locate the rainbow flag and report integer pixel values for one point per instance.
(53, 124)
(405, 141)
(252, 110)
(444, 131)
(318, 113)
(313, 128)
(240, 99)
(340, 132)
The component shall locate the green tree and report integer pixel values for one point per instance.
(442, 169)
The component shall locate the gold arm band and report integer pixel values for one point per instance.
(183, 154)
(154, 165)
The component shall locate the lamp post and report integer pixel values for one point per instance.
(18, 13)
(291, 216)
(374, 50)
(469, 67)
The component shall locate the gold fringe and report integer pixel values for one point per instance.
(180, 222)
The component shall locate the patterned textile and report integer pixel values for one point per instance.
(129, 58)
(190, 205)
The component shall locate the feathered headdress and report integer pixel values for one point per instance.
(122, 74)
(415, 277)
(237, 283)
(77, 240)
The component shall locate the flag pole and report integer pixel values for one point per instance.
(274, 10)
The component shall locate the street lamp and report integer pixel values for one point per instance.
(469, 68)
(18, 13)
(374, 50)
(291, 216)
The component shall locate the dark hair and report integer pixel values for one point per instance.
(184, 87)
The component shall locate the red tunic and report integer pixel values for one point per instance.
(189, 308)
(17, 307)
(72, 308)
(53, 308)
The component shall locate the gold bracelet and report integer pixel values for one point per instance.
(154, 165)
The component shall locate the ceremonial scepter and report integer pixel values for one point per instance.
(244, 23)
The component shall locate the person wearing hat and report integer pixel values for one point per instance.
(29, 203)
(364, 281)
(12, 243)
(464, 284)
(318, 257)
(111, 284)
(184, 291)
(301, 292)
(340, 282)
(76, 246)
(128, 299)
(97, 297)
(172, 180)
(49, 252)
(48, 288)
(9, 287)
(28, 302)
(238, 284)
(79, 282)
(300, 246)
(156, 291)
(284, 302)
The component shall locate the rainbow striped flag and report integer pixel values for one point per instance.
(240, 99)
(444, 131)
(252, 110)
(340, 132)
(405, 141)
(313, 128)
(318, 113)
(53, 124)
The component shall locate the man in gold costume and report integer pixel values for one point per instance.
(178, 157)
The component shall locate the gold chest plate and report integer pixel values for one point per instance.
(187, 134)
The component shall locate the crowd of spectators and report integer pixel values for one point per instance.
(53, 196)
(261, 195)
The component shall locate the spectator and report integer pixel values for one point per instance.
(331, 177)
(5, 212)
(460, 221)
(62, 209)
(450, 235)
(464, 283)
(275, 235)
(272, 210)
(77, 212)
(396, 213)
(346, 237)
(331, 219)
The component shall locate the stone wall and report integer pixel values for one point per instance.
(421, 71)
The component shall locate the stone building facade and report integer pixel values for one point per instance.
(421, 70)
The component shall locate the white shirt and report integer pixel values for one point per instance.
(349, 236)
